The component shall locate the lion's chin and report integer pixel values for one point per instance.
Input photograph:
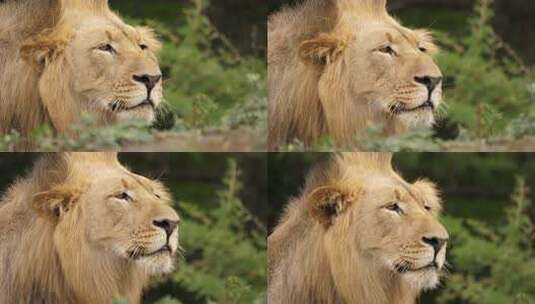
(422, 280)
(144, 114)
(416, 119)
(156, 264)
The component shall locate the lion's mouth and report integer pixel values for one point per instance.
(143, 104)
(119, 106)
(137, 254)
(406, 267)
(399, 108)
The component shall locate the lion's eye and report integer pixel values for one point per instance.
(107, 48)
(124, 196)
(427, 208)
(394, 207)
(157, 196)
(387, 50)
(143, 46)
(422, 49)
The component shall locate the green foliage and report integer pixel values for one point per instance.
(412, 141)
(491, 84)
(168, 300)
(91, 137)
(206, 77)
(165, 118)
(492, 264)
(10, 141)
(225, 250)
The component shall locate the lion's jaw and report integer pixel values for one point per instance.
(104, 78)
(159, 255)
(423, 275)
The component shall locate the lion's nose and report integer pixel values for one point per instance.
(429, 82)
(167, 225)
(435, 242)
(149, 81)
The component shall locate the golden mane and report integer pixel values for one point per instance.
(310, 72)
(24, 21)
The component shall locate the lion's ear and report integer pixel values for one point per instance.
(54, 203)
(44, 47)
(323, 50)
(326, 203)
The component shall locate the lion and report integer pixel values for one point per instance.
(81, 228)
(341, 68)
(358, 233)
(61, 58)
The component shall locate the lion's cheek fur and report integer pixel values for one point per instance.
(60, 104)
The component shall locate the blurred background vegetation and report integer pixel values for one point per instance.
(223, 228)
(488, 211)
(487, 58)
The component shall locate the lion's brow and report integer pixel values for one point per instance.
(409, 190)
(130, 34)
(408, 35)
(140, 182)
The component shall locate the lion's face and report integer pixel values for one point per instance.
(122, 216)
(116, 69)
(371, 71)
(93, 62)
(385, 224)
(402, 230)
(401, 81)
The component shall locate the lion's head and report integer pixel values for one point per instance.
(87, 60)
(89, 220)
(366, 235)
(338, 67)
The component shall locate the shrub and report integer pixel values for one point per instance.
(492, 264)
(488, 85)
(205, 76)
(225, 259)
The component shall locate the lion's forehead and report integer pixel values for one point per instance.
(385, 189)
(401, 36)
(101, 29)
(116, 179)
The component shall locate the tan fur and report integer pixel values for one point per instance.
(67, 236)
(54, 68)
(340, 242)
(328, 75)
